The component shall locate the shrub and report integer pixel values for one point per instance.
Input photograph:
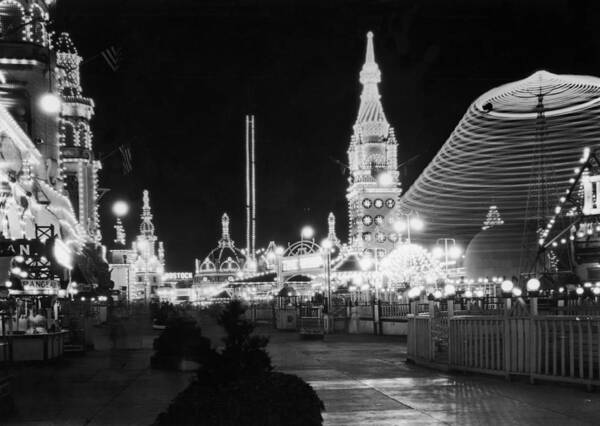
(271, 399)
(182, 339)
(237, 385)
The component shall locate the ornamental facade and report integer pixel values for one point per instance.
(40, 87)
(374, 185)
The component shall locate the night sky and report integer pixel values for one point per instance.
(193, 68)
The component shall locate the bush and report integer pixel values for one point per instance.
(182, 339)
(237, 385)
(271, 399)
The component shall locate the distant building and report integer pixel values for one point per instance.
(223, 263)
(138, 272)
(373, 187)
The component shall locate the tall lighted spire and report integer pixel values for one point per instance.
(371, 121)
(331, 236)
(225, 240)
(147, 227)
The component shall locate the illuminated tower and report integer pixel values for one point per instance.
(331, 235)
(78, 168)
(149, 262)
(27, 77)
(373, 184)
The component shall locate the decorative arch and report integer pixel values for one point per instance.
(12, 15)
(301, 248)
(37, 30)
(229, 265)
(207, 266)
(84, 135)
(70, 137)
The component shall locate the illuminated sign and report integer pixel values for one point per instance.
(297, 263)
(40, 286)
(170, 276)
(20, 248)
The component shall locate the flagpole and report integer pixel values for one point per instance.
(253, 189)
(247, 137)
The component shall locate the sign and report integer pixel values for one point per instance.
(173, 276)
(21, 247)
(298, 263)
(40, 286)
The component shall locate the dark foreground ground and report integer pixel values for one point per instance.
(362, 380)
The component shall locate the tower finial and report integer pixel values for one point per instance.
(331, 236)
(225, 240)
(370, 55)
(146, 227)
(371, 120)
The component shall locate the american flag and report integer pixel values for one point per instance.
(125, 151)
(112, 56)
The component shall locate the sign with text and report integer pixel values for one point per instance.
(171, 276)
(22, 247)
(41, 286)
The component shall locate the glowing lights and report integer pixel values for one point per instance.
(50, 103)
(120, 208)
(449, 290)
(327, 244)
(579, 291)
(385, 179)
(507, 286)
(517, 292)
(533, 285)
(307, 232)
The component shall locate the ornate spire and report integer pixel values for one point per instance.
(120, 232)
(225, 240)
(147, 227)
(371, 121)
(331, 236)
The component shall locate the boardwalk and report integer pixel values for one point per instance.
(364, 380)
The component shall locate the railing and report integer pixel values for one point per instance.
(365, 311)
(420, 343)
(557, 348)
(566, 349)
(395, 310)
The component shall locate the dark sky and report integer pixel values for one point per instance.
(193, 69)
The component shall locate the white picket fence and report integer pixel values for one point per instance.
(557, 348)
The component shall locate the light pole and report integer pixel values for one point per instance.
(327, 244)
(447, 248)
(412, 221)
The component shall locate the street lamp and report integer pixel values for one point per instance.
(50, 103)
(307, 233)
(327, 245)
(412, 221)
(120, 208)
(447, 248)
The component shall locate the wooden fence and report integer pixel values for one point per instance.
(550, 347)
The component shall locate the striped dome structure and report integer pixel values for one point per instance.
(514, 151)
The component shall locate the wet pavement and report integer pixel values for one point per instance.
(112, 385)
(363, 380)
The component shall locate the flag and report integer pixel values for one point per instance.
(112, 56)
(125, 151)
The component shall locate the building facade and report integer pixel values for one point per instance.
(374, 186)
(78, 168)
(138, 272)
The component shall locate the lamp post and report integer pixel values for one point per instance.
(447, 248)
(533, 289)
(327, 244)
(412, 221)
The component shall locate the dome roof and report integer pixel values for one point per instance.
(227, 258)
(492, 158)
(494, 252)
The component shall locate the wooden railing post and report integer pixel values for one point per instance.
(506, 339)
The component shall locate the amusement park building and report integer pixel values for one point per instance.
(373, 188)
(34, 65)
(497, 179)
(223, 263)
(138, 272)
